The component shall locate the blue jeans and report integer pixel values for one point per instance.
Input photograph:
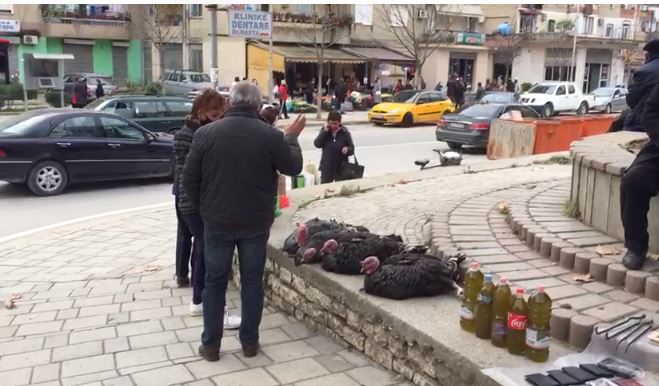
(218, 255)
(183, 244)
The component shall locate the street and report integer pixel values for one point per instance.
(381, 149)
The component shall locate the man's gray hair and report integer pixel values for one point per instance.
(246, 94)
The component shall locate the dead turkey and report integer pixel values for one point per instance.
(346, 257)
(408, 274)
(313, 226)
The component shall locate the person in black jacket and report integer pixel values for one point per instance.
(639, 184)
(100, 93)
(337, 145)
(230, 177)
(340, 93)
(643, 82)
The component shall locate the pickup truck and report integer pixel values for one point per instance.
(550, 98)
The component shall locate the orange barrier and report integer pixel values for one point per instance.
(557, 134)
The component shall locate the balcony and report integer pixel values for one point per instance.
(288, 27)
(91, 22)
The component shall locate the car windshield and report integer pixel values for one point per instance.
(412, 98)
(199, 78)
(20, 124)
(498, 98)
(480, 110)
(542, 89)
(404, 96)
(603, 91)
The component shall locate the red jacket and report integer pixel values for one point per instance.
(283, 92)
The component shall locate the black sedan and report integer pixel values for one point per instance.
(49, 149)
(471, 125)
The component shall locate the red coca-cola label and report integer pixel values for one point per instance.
(516, 321)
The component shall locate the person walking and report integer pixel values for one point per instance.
(283, 97)
(79, 99)
(450, 88)
(639, 184)
(100, 93)
(377, 91)
(439, 87)
(480, 92)
(459, 93)
(644, 81)
(207, 108)
(340, 94)
(336, 142)
(230, 177)
(311, 85)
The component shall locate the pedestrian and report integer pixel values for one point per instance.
(340, 94)
(639, 184)
(230, 177)
(256, 82)
(459, 93)
(439, 87)
(336, 142)
(480, 92)
(283, 97)
(377, 91)
(510, 86)
(100, 93)
(398, 86)
(311, 84)
(79, 98)
(207, 108)
(644, 81)
(236, 80)
(450, 88)
(488, 85)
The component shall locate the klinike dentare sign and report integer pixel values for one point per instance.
(250, 24)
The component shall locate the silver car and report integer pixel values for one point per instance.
(609, 99)
(181, 82)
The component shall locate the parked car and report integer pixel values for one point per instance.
(223, 90)
(423, 106)
(70, 80)
(399, 97)
(471, 125)
(49, 149)
(549, 98)
(609, 99)
(499, 97)
(181, 82)
(155, 113)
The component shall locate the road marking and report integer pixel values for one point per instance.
(79, 220)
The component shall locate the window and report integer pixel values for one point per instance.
(625, 30)
(424, 98)
(118, 129)
(571, 89)
(560, 90)
(196, 10)
(437, 97)
(173, 77)
(589, 25)
(561, 73)
(178, 109)
(472, 24)
(527, 112)
(609, 30)
(196, 57)
(302, 9)
(551, 26)
(364, 14)
(398, 16)
(121, 108)
(77, 127)
(150, 110)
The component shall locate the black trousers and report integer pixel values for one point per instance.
(639, 184)
(196, 225)
(183, 244)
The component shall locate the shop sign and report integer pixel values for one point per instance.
(10, 26)
(470, 39)
(250, 24)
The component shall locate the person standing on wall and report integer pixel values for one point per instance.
(283, 97)
(336, 142)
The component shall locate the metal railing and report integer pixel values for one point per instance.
(87, 15)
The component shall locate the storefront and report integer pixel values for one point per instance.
(9, 43)
(598, 69)
(386, 64)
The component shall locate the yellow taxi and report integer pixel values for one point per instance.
(422, 106)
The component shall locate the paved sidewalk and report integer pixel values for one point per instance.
(99, 307)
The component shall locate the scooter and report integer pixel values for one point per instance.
(446, 158)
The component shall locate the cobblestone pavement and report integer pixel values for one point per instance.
(98, 306)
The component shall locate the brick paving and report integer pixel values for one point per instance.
(99, 307)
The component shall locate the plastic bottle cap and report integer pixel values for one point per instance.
(503, 281)
(474, 265)
(519, 291)
(541, 288)
(488, 277)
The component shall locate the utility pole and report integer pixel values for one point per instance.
(214, 70)
(574, 46)
(271, 81)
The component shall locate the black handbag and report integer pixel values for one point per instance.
(350, 171)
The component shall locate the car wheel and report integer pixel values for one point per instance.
(408, 120)
(47, 178)
(607, 109)
(454, 146)
(583, 108)
(548, 110)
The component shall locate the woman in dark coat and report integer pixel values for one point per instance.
(337, 145)
(80, 92)
(100, 93)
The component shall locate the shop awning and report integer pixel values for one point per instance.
(53, 56)
(378, 54)
(307, 54)
(257, 58)
(464, 10)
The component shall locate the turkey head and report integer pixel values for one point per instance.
(306, 256)
(329, 248)
(370, 265)
(302, 234)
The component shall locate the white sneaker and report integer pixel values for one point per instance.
(196, 309)
(231, 322)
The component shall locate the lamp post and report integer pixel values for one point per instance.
(214, 70)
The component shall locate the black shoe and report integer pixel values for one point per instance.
(250, 349)
(211, 354)
(633, 260)
(182, 281)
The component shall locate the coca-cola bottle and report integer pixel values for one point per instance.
(537, 331)
(517, 320)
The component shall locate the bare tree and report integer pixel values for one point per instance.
(161, 25)
(419, 30)
(560, 49)
(327, 30)
(508, 48)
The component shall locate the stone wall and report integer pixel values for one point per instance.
(599, 164)
(322, 305)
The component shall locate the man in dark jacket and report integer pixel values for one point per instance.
(643, 83)
(230, 175)
(639, 185)
(340, 93)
